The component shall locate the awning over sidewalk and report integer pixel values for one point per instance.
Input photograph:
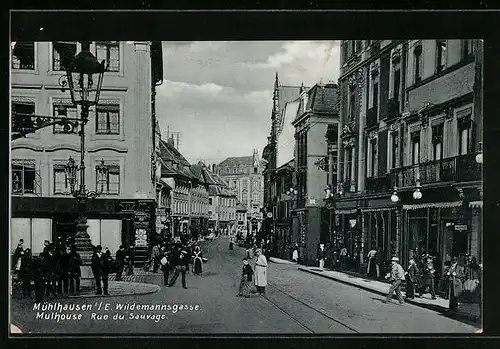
(433, 205)
(378, 209)
(476, 204)
(348, 211)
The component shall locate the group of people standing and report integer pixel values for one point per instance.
(176, 257)
(56, 271)
(420, 277)
(249, 278)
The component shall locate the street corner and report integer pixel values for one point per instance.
(122, 288)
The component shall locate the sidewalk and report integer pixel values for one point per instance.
(121, 288)
(280, 261)
(466, 312)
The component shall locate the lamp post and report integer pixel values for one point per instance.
(84, 80)
(417, 194)
(329, 200)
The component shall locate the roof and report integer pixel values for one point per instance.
(168, 153)
(324, 98)
(237, 161)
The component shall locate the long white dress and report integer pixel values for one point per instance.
(261, 271)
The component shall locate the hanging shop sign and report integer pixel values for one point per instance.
(461, 227)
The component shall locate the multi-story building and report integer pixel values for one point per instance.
(120, 133)
(411, 116)
(317, 112)
(284, 189)
(244, 176)
(241, 219)
(222, 203)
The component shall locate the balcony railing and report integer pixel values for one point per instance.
(349, 186)
(371, 117)
(377, 184)
(461, 168)
(393, 109)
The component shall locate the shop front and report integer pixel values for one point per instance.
(349, 233)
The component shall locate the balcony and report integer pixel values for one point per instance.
(461, 168)
(378, 184)
(349, 186)
(392, 109)
(371, 117)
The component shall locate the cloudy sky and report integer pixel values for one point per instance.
(218, 95)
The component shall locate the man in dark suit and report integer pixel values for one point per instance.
(120, 262)
(181, 263)
(100, 268)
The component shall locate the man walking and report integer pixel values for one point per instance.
(181, 262)
(396, 276)
(100, 269)
(120, 262)
(155, 256)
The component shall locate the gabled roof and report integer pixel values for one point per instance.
(237, 161)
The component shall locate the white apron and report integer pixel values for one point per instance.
(261, 271)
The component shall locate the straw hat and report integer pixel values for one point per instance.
(394, 259)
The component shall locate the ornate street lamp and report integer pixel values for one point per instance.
(328, 192)
(394, 196)
(84, 80)
(292, 191)
(417, 194)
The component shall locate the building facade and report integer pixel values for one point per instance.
(120, 132)
(244, 176)
(411, 116)
(318, 110)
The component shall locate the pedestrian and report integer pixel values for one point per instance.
(396, 276)
(246, 279)
(181, 262)
(456, 275)
(231, 243)
(343, 257)
(48, 271)
(39, 279)
(155, 257)
(165, 265)
(120, 257)
(321, 256)
(100, 268)
(372, 262)
(64, 269)
(17, 255)
(197, 261)
(295, 253)
(26, 272)
(261, 272)
(74, 272)
(411, 279)
(428, 277)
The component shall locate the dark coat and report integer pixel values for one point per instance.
(120, 257)
(26, 271)
(48, 263)
(74, 263)
(100, 265)
(247, 272)
(413, 273)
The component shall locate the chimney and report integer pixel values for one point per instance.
(171, 141)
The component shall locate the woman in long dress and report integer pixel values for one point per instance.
(246, 279)
(198, 261)
(261, 272)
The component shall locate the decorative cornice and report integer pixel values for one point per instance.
(98, 148)
(27, 86)
(62, 147)
(26, 146)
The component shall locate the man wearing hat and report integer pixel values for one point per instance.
(396, 276)
(100, 268)
(181, 262)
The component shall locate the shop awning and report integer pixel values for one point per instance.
(433, 205)
(378, 209)
(476, 204)
(348, 211)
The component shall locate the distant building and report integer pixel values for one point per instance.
(244, 176)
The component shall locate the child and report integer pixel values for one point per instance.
(246, 278)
